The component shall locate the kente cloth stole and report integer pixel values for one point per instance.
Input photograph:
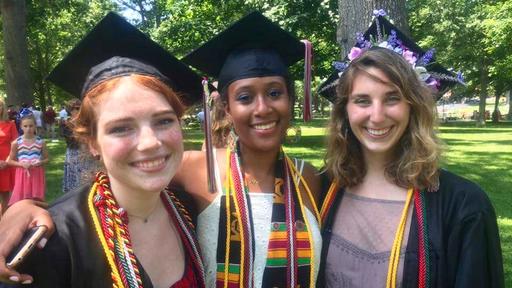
(290, 252)
(420, 204)
(111, 226)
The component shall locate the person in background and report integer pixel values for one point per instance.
(28, 154)
(49, 121)
(63, 118)
(79, 165)
(200, 118)
(12, 112)
(38, 115)
(8, 133)
(22, 107)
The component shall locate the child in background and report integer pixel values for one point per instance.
(28, 154)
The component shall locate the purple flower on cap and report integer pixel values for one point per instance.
(409, 56)
(354, 53)
(340, 66)
(380, 12)
(433, 83)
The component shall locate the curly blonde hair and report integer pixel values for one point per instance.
(416, 159)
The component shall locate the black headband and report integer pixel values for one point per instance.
(119, 67)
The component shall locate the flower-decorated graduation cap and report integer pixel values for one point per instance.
(383, 34)
(115, 48)
(253, 46)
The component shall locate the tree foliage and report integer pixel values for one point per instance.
(186, 24)
(54, 27)
(473, 36)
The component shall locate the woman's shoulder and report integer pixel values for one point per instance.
(191, 174)
(463, 195)
(9, 123)
(71, 204)
(193, 156)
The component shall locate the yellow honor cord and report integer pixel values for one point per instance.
(394, 257)
(328, 198)
(305, 216)
(228, 218)
(117, 279)
(305, 184)
(231, 185)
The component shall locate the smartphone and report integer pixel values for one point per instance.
(27, 243)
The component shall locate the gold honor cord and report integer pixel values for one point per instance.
(394, 257)
(305, 216)
(306, 186)
(97, 226)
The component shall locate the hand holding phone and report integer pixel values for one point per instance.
(28, 242)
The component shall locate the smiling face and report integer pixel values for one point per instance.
(260, 111)
(138, 136)
(377, 112)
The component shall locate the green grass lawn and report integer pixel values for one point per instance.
(482, 155)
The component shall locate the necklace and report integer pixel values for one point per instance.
(251, 180)
(144, 219)
(110, 224)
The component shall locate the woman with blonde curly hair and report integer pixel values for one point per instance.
(391, 212)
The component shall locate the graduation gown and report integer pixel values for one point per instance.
(465, 246)
(73, 256)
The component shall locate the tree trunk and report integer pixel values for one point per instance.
(509, 101)
(356, 16)
(484, 83)
(496, 114)
(16, 63)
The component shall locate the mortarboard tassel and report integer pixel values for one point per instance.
(207, 103)
(307, 80)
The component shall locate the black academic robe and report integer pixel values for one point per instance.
(73, 256)
(463, 234)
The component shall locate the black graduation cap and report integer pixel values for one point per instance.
(115, 48)
(254, 46)
(379, 31)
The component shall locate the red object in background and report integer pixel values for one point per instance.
(49, 116)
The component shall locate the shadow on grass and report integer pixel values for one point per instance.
(472, 124)
(491, 175)
(457, 142)
(476, 130)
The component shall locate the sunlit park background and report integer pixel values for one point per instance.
(471, 36)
